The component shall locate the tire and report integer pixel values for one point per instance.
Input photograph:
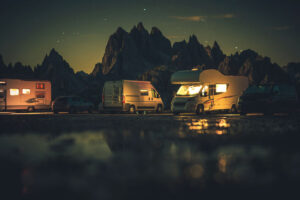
(200, 110)
(159, 109)
(72, 110)
(233, 109)
(131, 110)
(30, 109)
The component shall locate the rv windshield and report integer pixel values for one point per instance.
(189, 90)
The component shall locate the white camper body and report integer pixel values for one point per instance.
(17, 94)
(130, 96)
(207, 90)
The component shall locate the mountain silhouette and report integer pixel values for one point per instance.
(141, 55)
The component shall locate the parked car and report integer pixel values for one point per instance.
(71, 104)
(269, 99)
(130, 96)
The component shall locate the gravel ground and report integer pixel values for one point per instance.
(121, 156)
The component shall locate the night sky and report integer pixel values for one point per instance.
(79, 29)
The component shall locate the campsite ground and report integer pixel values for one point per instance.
(122, 156)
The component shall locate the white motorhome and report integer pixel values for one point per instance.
(207, 90)
(130, 96)
(30, 95)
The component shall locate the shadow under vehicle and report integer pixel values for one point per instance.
(269, 99)
(71, 104)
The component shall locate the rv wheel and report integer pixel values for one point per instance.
(233, 109)
(200, 110)
(30, 109)
(159, 109)
(132, 110)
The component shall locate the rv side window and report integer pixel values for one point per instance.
(40, 86)
(40, 95)
(204, 91)
(14, 92)
(221, 88)
(144, 93)
(25, 91)
(155, 93)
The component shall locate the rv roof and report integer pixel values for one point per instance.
(137, 81)
(186, 77)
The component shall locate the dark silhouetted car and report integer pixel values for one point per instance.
(71, 104)
(269, 99)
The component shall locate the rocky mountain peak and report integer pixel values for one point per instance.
(193, 40)
(120, 31)
(140, 27)
(155, 31)
(53, 57)
(217, 54)
(216, 46)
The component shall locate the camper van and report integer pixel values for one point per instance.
(130, 96)
(17, 94)
(207, 90)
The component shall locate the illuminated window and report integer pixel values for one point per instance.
(144, 92)
(204, 91)
(189, 90)
(40, 86)
(154, 93)
(2, 83)
(40, 95)
(14, 92)
(221, 88)
(26, 91)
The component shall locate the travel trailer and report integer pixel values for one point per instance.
(17, 94)
(130, 96)
(207, 90)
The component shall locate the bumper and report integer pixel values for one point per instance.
(188, 107)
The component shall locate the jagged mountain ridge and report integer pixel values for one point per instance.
(139, 54)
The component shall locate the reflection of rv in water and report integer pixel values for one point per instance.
(207, 90)
(17, 94)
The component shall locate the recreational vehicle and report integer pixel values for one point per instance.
(207, 90)
(131, 96)
(17, 94)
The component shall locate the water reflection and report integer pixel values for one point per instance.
(208, 126)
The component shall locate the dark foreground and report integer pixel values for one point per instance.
(45, 156)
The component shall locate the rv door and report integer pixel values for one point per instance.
(211, 93)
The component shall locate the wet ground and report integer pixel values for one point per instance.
(122, 156)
